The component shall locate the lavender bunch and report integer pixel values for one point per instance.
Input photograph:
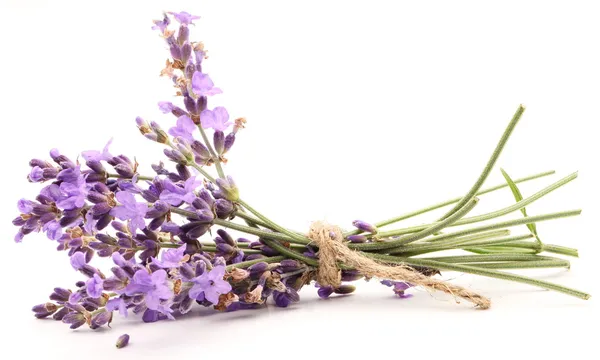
(166, 232)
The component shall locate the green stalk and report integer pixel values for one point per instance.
(479, 271)
(139, 177)
(524, 264)
(245, 264)
(515, 207)
(490, 164)
(450, 202)
(299, 239)
(459, 243)
(212, 152)
(438, 226)
(488, 258)
(533, 219)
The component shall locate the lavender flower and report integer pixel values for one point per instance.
(184, 18)
(117, 304)
(203, 85)
(154, 286)
(130, 210)
(78, 260)
(171, 258)
(217, 119)
(399, 287)
(210, 285)
(175, 195)
(94, 286)
(94, 155)
(184, 129)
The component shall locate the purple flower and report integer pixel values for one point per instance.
(171, 258)
(399, 287)
(73, 189)
(53, 230)
(325, 291)
(94, 286)
(218, 119)
(117, 303)
(36, 174)
(161, 24)
(165, 106)
(203, 85)
(130, 210)
(184, 18)
(175, 195)
(211, 284)
(94, 155)
(155, 286)
(25, 206)
(78, 260)
(184, 129)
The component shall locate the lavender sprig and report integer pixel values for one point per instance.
(165, 233)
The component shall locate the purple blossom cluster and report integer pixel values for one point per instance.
(160, 267)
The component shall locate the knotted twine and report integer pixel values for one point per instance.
(329, 239)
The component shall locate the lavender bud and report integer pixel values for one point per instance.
(351, 275)
(345, 289)
(254, 257)
(120, 273)
(183, 171)
(225, 248)
(96, 197)
(205, 216)
(200, 204)
(228, 188)
(175, 156)
(102, 318)
(364, 226)
(258, 268)
(74, 319)
(226, 237)
(183, 36)
(124, 170)
(60, 314)
(224, 208)
(325, 291)
(219, 142)
(190, 104)
(187, 271)
(200, 150)
(122, 341)
(96, 166)
(186, 51)
(229, 140)
(175, 52)
(159, 209)
(356, 238)
(60, 294)
(49, 308)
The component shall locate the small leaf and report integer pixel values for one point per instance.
(518, 197)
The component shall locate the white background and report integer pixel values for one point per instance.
(355, 110)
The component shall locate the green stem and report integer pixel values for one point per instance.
(254, 231)
(437, 226)
(212, 152)
(299, 239)
(245, 264)
(490, 164)
(499, 225)
(459, 243)
(524, 264)
(484, 217)
(139, 177)
(480, 271)
(450, 202)
(489, 258)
